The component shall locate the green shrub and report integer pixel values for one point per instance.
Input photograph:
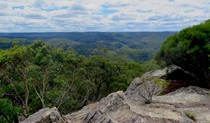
(190, 50)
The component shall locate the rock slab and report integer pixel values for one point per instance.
(46, 115)
(185, 105)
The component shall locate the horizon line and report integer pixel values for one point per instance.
(91, 32)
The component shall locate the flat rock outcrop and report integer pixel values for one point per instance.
(186, 105)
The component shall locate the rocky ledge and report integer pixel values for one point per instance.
(185, 105)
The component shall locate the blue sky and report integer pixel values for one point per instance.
(101, 15)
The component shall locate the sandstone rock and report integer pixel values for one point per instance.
(115, 108)
(46, 115)
(192, 101)
(144, 85)
(189, 96)
(185, 105)
(148, 80)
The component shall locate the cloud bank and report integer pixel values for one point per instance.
(101, 15)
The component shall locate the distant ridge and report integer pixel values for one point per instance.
(132, 46)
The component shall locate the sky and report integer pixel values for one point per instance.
(101, 15)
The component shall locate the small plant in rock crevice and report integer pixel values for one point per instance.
(189, 115)
(150, 87)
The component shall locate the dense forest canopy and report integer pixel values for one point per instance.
(39, 75)
(190, 49)
(132, 46)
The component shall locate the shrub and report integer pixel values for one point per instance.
(190, 50)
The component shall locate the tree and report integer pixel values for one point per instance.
(13, 66)
(189, 49)
(99, 72)
(8, 112)
(38, 76)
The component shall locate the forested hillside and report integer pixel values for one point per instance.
(132, 46)
(37, 76)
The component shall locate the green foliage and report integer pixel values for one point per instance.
(8, 112)
(38, 76)
(161, 83)
(190, 50)
(150, 65)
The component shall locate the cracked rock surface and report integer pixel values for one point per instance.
(185, 105)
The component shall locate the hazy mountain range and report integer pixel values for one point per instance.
(133, 46)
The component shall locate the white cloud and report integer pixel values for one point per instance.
(101, 15)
